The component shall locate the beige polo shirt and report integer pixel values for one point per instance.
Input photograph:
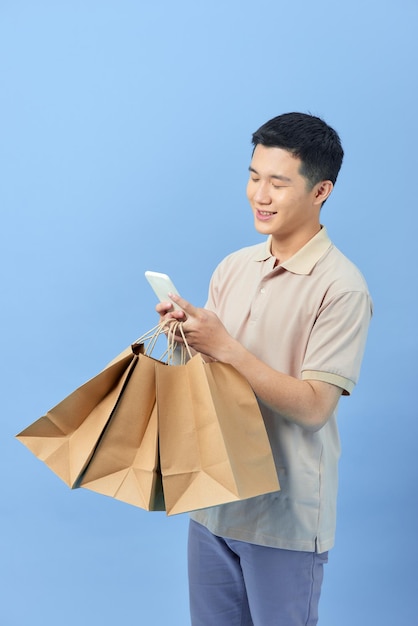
(307, 317)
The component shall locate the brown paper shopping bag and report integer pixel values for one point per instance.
(125, 464)
(158, 435)
(214, 446)
(65, 438)
(112, 416)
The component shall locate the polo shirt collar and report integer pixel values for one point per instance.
(306, 258)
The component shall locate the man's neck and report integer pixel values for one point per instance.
(285, 248)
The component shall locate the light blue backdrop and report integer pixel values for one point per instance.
(124, 146)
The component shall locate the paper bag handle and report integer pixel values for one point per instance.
(170, 328)
(173, 328)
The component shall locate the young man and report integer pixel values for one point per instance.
(291, 315)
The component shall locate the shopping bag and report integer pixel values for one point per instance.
(157, 435)
(214, 447)
(114, 416)
(125, 464)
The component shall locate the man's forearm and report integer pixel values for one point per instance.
(307, 403)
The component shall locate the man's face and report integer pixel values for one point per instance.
(282, 202)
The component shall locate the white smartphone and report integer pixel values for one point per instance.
(162, 285)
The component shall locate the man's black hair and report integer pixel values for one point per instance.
(308, 138)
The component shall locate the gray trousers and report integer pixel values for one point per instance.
(234, 583)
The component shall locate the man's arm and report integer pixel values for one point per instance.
(309, 403)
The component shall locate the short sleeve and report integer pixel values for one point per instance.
(337, 340)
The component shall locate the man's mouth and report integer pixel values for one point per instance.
(265, 213)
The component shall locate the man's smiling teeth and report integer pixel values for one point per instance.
(267, 212)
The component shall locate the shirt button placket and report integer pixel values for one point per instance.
(258, 302)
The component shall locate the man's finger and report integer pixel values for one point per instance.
(183, 304)
(164, 307)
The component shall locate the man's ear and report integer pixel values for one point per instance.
(322, 191)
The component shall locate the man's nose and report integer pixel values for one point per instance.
(262, 194)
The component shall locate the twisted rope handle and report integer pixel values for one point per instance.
(173, 329)
(170, 328)
(149, 339)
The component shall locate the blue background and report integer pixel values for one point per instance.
(125, 143)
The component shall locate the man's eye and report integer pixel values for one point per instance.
(255, 180)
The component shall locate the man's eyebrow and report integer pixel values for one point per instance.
(284, 179)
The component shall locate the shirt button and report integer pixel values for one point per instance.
(262, 290)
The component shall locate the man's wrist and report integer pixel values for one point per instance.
(232, 352)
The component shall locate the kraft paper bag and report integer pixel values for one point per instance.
(104, 436)
(214, 446)
(125, 464)
(65, 438)
(157, 435)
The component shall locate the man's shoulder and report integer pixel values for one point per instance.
(343, 270)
